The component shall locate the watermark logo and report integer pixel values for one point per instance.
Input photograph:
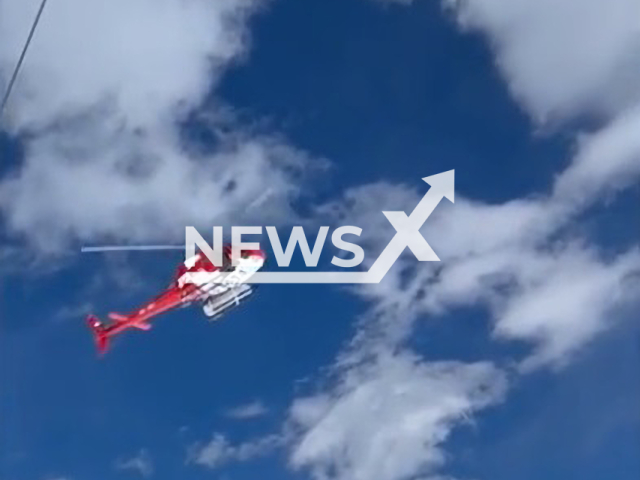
(407, 236)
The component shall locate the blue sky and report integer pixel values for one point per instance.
(514, 358)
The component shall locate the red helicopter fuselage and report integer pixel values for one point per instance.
(180, 293)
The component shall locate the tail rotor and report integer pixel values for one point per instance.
(100, 336)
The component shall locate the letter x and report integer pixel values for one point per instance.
(408, 235)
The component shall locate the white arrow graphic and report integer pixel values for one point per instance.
(407, 235)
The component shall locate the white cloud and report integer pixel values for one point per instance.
(73, 312)
(607, 161)
(566, 58)
(219, 451)
(562, 57)
(565, 300)
(146, 55)
(250, 410)
(522, 258)
(541, 283)
(389, 419)
(101, 101)
(140, 464)
(20, 261)
(122, 188)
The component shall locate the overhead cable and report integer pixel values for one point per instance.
(16, 70)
